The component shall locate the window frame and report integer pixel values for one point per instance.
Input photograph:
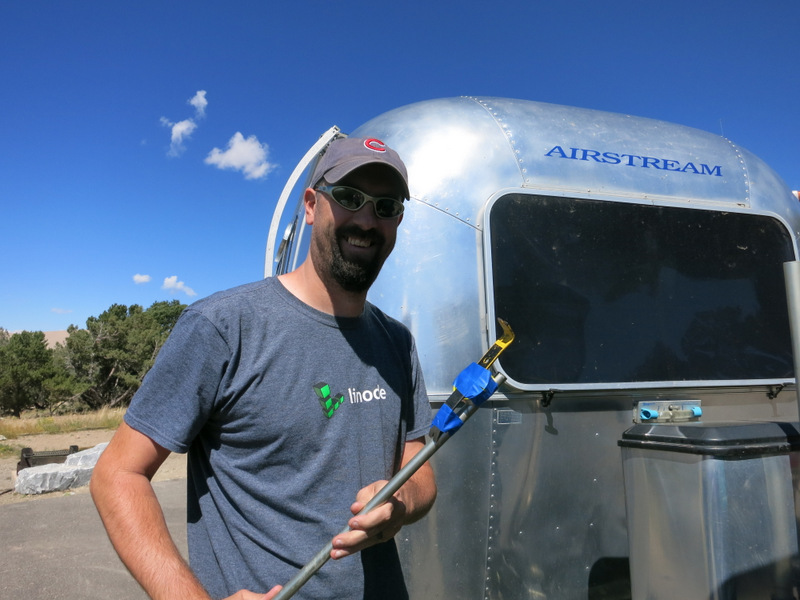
(489, 295)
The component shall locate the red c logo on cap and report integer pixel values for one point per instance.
(375, 145)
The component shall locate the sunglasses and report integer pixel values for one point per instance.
(353, 199)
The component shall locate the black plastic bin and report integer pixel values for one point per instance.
(29, 458)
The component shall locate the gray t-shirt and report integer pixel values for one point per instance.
(286, 412)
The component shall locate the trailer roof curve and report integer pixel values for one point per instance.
(460, 151)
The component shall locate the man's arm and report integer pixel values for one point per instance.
(409, 504)
(135, 523)
(133, 518)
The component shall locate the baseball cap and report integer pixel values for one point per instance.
(345, 155)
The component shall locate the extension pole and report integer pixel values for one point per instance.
(386, 492)
(472, 387)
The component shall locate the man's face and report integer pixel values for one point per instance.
(349, 248)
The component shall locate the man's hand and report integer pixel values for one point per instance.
(410, 503)
(377, 526)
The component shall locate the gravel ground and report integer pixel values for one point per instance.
(173, 468)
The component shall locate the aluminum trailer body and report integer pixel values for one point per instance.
(639, 262)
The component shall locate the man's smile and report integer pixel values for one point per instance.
(359, 242)
(356, 240)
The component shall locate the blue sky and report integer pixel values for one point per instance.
(144, 145)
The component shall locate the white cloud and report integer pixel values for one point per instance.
(172, 283)
(61, 311)
(180, 131)
(246, 155)
(199, 102)
(141, 278)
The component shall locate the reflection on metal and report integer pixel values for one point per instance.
(711, 511)
(538, 510)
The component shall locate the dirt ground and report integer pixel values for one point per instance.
(173, 468)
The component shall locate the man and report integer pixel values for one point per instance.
(296, 400)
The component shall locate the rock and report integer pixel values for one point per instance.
(86, 458)
(75, 472)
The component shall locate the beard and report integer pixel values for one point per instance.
(352, 273)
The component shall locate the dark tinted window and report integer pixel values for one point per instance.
(601, 292)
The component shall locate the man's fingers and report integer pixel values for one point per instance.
(273, 592)
(357, 539)
(378, 525)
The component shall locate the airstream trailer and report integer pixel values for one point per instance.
(643, 443)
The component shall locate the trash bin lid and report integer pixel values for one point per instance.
(725, 440)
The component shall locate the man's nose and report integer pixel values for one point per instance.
(366, 214)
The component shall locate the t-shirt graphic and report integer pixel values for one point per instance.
(328, 402)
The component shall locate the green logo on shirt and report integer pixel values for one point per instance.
(329, 403)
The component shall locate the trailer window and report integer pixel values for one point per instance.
(602, 292)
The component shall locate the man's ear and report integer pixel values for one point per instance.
(310, 202)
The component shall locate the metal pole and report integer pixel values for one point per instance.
(386, 492)
(383, 495)
(463, 407)
(791, 273)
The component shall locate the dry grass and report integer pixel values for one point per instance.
(106, 418)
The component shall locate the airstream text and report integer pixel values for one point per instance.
(633, 160)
